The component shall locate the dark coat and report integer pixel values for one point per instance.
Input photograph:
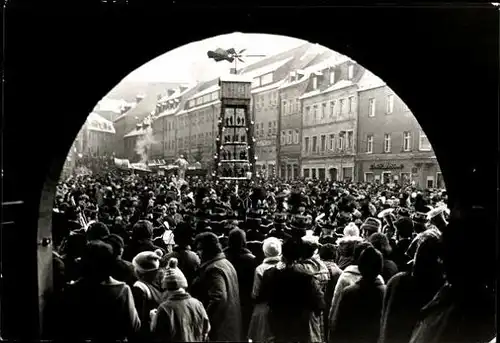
(216, 286)
(188, 261)
(124, 271)
(389, 269)
(245, 263)
(136, 247)
(99, 312)
(399, 256)
(295, 303)
(404, 298)
(357, 319)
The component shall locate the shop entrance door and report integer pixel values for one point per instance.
(333, 174)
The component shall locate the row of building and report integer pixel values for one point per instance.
(317, 114)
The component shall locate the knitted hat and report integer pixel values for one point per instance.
(174, 278)
(271, 247)
(147, 261)
(372, 224)
(351, 230)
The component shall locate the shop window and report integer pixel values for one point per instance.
(430, 181)
(321, 173)
(369, 177)
(306, 173)
(386, 177)
(347, 173)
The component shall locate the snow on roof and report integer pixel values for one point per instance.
(369, 81)
(268, 87)
(209, 90)
(336, 86)
(215, 102)
(177, 93)
(96, 122)
(235, 78)
(135, 132)
(267, 68)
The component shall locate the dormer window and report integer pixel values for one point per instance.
(332, 77)
(315, 82)
(351, 72)
(293, 76)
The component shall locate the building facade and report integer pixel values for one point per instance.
(290, 121)
(329, 109)
(95, 137)
(197, 125)
(391, 144)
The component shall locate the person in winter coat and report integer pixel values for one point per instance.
(122, 270)
(216, 286)
(464, 309)
(98, 307)
(349, 277)
(148, 291)
(408, 292)
(97, 231)
(142, 234)
(187, 259)
(327, 255)
(180, 318)
(258, 328)
(381, 243)
(347, 245)
(404, 233)
(244, 263)
(293, 297)
(357, 317)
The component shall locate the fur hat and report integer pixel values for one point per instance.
(174, 278)
(147, 261)
(372, 224)
(271, 247)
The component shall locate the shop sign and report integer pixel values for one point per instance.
(387, 166)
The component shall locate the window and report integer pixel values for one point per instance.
(266, 79)
(347, 173)
(313, 173)
(350, 104)
(296, 137)
(306, 144)
(306, 173)
(308, 111)
(289, 137)
(350, 137)
(315, 112)
(206, 98)
(256, 82)
(315, 144)
(424, 144)
(323, 111)
(405, 178)
(269, 128)
(323, 143)
(199, 100)
(284, 107)
(341, 141)
(332, 77)
(191, 103)
(369, 144)
(430, 181)
(275, 128)
(283, 138)
(341, 106)
(390, 103)
(332, 109)
(369, 177)
(350, 72)
(406, 141)
(387, 142)
(215, 96)
(297, 105)
(332, 142)
(371, 107)
(315, 82)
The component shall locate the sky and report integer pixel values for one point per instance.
(190, 63)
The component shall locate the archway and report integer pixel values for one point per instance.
(355, 43)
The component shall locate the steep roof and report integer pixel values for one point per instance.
(369, 81)
(96, 122)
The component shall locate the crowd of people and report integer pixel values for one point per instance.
(151, 258)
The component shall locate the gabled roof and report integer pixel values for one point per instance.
(95, 122)
(269, 68)
(369, 81)
(268, 87)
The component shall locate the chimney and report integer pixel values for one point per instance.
(170, 92)
(233, 71)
